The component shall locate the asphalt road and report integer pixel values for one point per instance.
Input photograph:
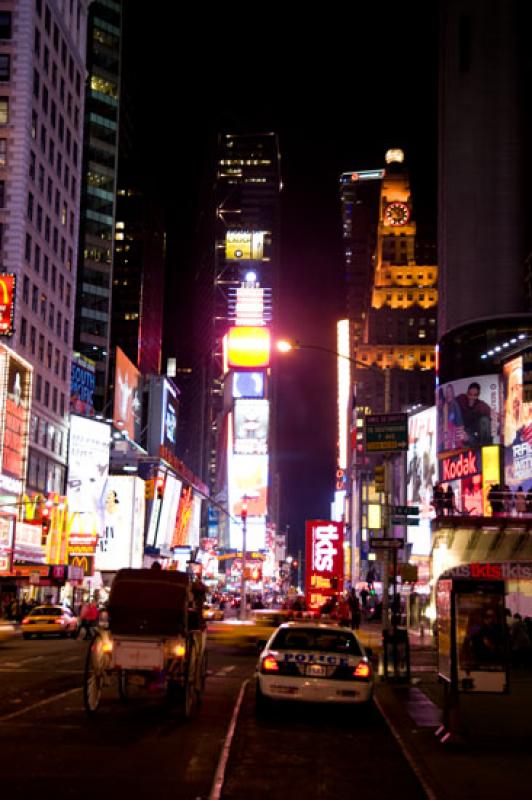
(49, 747)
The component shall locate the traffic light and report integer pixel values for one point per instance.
(149, 489)
(45, 523)
(379, 478)
(244, 510)
(159, 485)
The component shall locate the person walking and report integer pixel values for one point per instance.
(354, 606)
(520, 502)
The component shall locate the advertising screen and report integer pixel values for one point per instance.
(249, 306)
(248, 384)
(184, 517)
(244, 245)
(324, 561)
(127, 413)
(248, 476)
(481, 638)
(88, 470)
(7, 304)
(15, 396)
(82, 383)
(255, 534)
(422, 466)
(168, 512)
(250, 426)
(7, 526)
(248, 347)
(468, 413)
(443, 612)
(517, 428)
(121, 543)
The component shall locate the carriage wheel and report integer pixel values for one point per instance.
(96, 665)
(190, 691)
(123, 689)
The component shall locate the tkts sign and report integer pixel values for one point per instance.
(325, 561)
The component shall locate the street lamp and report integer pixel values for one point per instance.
(244, 519)
(286, 346)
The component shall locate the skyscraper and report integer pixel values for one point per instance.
(95, 265)
(42, 58)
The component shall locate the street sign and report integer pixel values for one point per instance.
(405, 520)
(405, 511)
(386, 433)
(386, 543)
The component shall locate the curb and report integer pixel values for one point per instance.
(399, 723)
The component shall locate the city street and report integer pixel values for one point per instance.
(139, 749)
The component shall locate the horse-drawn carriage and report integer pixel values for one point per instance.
(155, 638)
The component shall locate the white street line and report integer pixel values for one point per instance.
(48, 700)
(219, 776)
(225, 670)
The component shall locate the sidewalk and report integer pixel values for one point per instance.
(496, 758)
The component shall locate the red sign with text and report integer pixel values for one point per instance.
(7, 298)
(325, 561)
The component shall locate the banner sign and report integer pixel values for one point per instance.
(7, 304)
(324, 561)
(386, 433)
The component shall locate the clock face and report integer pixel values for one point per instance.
(396, 214)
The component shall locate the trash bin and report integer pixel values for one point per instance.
(396, 654)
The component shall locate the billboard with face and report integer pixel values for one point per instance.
(248, 384)
(88, 470)
(251, 426)
(517, 428)
(121, 543)
(162, 416)
(468, 413)
(15, 397)
(127, 413)
(422, 467)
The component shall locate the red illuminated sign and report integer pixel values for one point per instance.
(325, 561)
(248, 347)
(460, 466)
(7, 304)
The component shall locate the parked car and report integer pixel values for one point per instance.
(212, 612)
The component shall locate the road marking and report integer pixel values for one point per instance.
(41, 703)
(225, 670)
(20, 663)
(219, 775)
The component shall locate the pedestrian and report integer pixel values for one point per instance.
(496, 500)
(364, 594)
(354, 606)
(508, 500)
(449, 500)
(520, 502)
(520, 645)
(342, 612)
(438, 499)
(529, 502)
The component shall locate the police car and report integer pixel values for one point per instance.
(314, 662)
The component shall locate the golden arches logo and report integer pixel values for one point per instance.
(81, 561)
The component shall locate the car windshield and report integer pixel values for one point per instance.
(51, 611)
(316, 639)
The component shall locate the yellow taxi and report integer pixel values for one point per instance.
(49, 620)
(7, 630)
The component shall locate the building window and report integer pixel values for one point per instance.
(68, 290)
(44, 99)
(54, 399)
(62, 406)
(46, 393)
(2, 194)
(61, 287)
(23, 331)
(26, 290)
(51, 316)
(4, 110)
(38, 388)
(59, 323)
(37, 259)
(35, 299)
(33, 159)
(41, 348)
(57, 361)
(30, 206)
(27, 248)
(45, 268)
(49, 351)
(64, 368)
(39, 217)
(33, 339)
(44, 304)
(36, 83)
(5, 25)
(40, 179)
(54, 276)
(3, 153)
(49, 190)
(46, 59)
(43, 139)
(66, 332)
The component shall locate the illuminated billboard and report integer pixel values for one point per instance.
(7, 528)
(15, 400)
(422, 465)
(127, 413)
(88, 471)
(248, 347)
(255, 534)
(324, 561)
(168, 511)
(7, 304)
(184, 517)
(162, 415)
(517, 428)
(248, 476)
(244, 245)
(121, 543)
(250, 427)
(82, 384)
(248, 384)
(468, 413)
(249, 305)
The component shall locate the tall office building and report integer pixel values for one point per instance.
(246, 271)
(95, 264)
(42, 61)
(484, 235)
(138, 279)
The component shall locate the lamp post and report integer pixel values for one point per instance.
(244, 518)
(285, 346)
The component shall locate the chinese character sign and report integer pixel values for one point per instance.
(324, 574)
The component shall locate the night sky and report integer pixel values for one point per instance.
(339, 92)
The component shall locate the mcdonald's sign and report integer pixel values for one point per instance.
(7, 304)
